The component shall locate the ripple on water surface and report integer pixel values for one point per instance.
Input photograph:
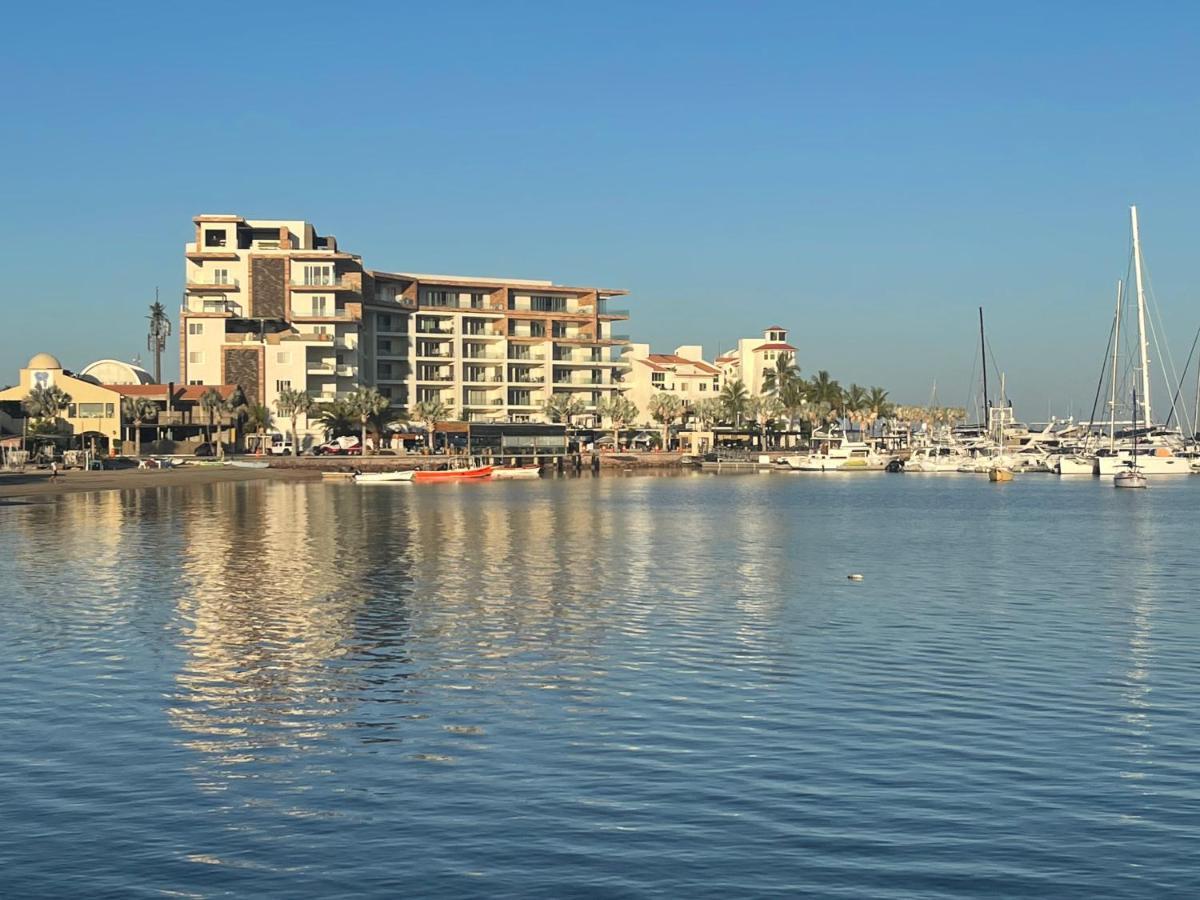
(602, 687)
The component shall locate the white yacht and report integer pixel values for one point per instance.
(834, 453)
(940, 458)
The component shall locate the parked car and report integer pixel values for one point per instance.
(339, 446)
(281, 445)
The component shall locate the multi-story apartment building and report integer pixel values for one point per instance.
(752, 357)
(683, 373)
(271, 304)
(498, 349)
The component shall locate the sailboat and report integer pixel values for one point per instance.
(1132, 476)
(1160, 458)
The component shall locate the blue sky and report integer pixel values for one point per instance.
(865, 174)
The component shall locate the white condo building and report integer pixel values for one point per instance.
(752, 357)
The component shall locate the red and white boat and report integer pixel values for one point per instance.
(453, 474)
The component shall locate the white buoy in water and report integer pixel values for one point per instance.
(855, 577)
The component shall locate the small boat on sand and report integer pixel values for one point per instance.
(384, 477)
(453, 474)
(512, 473)
(247, 464)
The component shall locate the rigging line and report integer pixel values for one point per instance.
(1103, 368)
(1179, 389)
(1156, 313)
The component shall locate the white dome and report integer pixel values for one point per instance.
(114, 371)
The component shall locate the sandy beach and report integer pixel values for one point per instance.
(37, 483)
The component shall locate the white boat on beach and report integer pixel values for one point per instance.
(516, 473)
(383, 477)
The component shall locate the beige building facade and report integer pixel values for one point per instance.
(92, 410)
(271, 304)
(683, 374)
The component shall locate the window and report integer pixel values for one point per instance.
(318, 274)
(658, 378)
(477, 301)
(93, 410)
(215, 306)
(283, 385)
(220, 276)
(321, 329)
(195, 381)
(703, 386)
(283, 357)
(548, 304)
(195, 328)
(320, 305)
(195, 357)
(214, 238)
(437, 298)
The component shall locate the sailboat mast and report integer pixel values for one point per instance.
(983, 353)
(1112, 404)
(1143, 357)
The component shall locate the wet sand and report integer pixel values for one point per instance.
(37, 483)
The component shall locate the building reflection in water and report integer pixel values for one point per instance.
(312, 614)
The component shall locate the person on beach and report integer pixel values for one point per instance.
(53, 469)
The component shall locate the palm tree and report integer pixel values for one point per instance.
(138, 410)
(792, 401)
(430, 412)
(563, 408)
(44, 403)
(763, 409)
(367, 402)
(620, 411)
(877, 402)
(292, 403)
(705, 412)
(734, 398)
(783, 373)
(666, 408)
(337, 419)
(854, 404)
(380, 421)
(823, 389)
(258, 418)
(211, 402)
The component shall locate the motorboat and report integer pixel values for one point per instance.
(834, 453)
(1000, 474)
(476, 472)
(1073, 464)
(939, 458)
(384, 477)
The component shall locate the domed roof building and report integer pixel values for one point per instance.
(44, 361)
(114, 371)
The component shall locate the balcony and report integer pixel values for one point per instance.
(432, 353)
(480, 378)
(499, 401)
(324, 314)
(434, 329)
(346, 371)
(320, 368)
(321, 283)
(435, 379)
(525, 357)
(344, 343)
(210, 307)
(495, 356)
(613, 314)
(211, 286)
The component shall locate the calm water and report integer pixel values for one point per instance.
(621, 687)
